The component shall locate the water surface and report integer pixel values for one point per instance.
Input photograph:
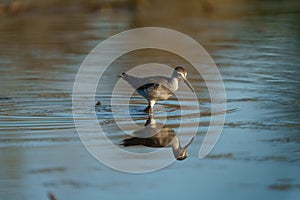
(255, 46)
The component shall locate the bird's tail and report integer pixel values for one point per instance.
(127, 77)
(122, 75)
(135, 82)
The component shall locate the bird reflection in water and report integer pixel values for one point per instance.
(157, 136)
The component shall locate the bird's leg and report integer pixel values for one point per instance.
(147, 109)
(152, 102)
(150, 119)
(150, 106)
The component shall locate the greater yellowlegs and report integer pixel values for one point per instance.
(154, 88)
(155, 135)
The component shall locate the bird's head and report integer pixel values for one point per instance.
(181, 73)
(182, 152)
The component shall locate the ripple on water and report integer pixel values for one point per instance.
(28, 122)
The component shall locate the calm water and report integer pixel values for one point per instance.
(256, 47)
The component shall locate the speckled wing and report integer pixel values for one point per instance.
(154, 91)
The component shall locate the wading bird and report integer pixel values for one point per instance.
(154, 88)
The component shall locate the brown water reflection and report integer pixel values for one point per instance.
(255, 45)
(157, 136)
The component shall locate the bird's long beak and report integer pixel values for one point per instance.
(188, 84)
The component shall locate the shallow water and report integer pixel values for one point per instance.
(256, 48)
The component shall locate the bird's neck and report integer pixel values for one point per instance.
(173, 83)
